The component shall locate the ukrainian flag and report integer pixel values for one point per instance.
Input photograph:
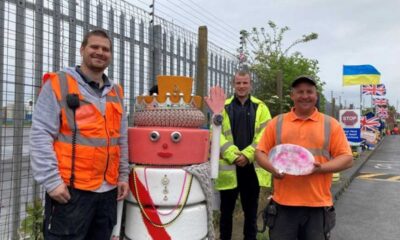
(360, 75)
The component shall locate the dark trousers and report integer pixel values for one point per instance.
(88, 215)
(302, 223)
(249, 191)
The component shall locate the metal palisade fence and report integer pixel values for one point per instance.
(38, 36)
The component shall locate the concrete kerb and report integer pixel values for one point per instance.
(349, 174)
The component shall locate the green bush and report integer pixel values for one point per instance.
(32, 226)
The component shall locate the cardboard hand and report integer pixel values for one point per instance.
(216, 99)
(216, 102)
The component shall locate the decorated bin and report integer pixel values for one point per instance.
(170, 185)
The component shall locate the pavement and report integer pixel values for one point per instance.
(348, 175)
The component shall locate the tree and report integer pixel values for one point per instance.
(392, 114)
(275, 67)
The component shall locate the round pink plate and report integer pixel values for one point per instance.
(291, 159)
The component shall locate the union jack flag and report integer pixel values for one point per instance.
(370, 123)
(381, 110)
(378, 90)
(383, 115)
(380, 101)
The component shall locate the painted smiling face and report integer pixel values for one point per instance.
(168, 146)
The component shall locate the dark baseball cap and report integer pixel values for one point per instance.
(304, 79)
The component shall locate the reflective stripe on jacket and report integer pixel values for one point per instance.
(229, 152)
(97, 150)
(323, 150)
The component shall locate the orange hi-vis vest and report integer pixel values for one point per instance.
(96, 145)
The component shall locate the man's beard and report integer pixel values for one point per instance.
(98, 68)
(92, 64)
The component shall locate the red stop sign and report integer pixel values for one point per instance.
(349, 118)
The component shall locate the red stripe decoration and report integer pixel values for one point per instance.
(157, 233)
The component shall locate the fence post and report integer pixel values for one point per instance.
(171, 55)
(56, 35)
(86, 17)
(72, 33)
(212, 80)
(191, 61)
(111, 35)
(164, 54)
(38, 73)
(223, 85)
(99, 15)
(184, 58)
(178, 57)
(156, 53)
(233, 67)
(150, 67)
(220, 72)
(132, 72)
(228, 82)
(141, 57)
(2, 116)
(202, 64)
(121, 63)
(216, 79)
(18, 116)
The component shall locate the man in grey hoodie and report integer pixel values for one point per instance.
(79, 149)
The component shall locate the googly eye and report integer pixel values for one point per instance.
(176, 137)
(154, 136)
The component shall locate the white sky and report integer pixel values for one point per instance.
(351, 32)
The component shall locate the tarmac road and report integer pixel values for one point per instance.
(369, 209)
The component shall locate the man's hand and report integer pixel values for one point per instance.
(123, 189)
(317, 168)
(60, 194)
(337, 164)
(277, 174)
(241, 161)
(262, 160)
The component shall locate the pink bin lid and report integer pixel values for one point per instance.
(291, 159)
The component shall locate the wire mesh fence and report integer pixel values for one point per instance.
(39, 36)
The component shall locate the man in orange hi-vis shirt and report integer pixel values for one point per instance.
(301, 206)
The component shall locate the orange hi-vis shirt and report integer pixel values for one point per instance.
(310, 190)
